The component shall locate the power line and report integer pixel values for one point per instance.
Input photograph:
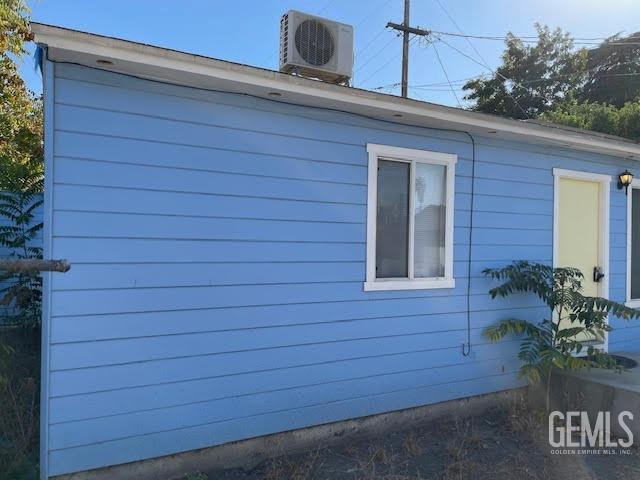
(392, 58)
(484, 62)
(434, 86)
(462, 81)
(444, 70)
(384, 89)
(392, 88)
(495, 72)
(439, 84)
(466, 55)
(385, 64)
(534, 39)
(379, 34)
(375, 10)
(541, 80)
(359, 53)
(605, 75)
(460, 89)
(327, 5)
(630, 74)
(455, 24)
(362, 50)
(417, 94)
(375, 55)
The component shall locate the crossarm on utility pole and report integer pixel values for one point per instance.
(414, 30)
(26, 265)
(406, 30)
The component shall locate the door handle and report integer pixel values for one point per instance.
(597, 274)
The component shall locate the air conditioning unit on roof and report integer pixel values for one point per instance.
(316, 47)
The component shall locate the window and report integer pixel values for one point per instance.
(409, 219)
(633, 244)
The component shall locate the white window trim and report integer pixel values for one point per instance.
(408, 155)
(631, 302)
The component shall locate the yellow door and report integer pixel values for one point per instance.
(579, 227)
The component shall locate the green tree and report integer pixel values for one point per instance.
(23, 290)
(532, 78)
(554, 341)
(21, 161)
(613, 72)
(629, 120)
(21, 173)
(21, 145)
(595, 88)
(599, 117)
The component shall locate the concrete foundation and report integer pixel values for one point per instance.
(249, 453)
(599, 390)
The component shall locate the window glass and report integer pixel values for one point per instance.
(635, 243)
(392, 219)
(429, 220)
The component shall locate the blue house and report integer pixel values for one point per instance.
(254, 252)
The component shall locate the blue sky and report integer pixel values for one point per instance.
(246, 31)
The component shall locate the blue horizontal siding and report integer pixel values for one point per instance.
(164, 442)
(103, 429)
(218, 246)
(140, 398)
(434, 332)
(74, 171)
(153, 275)
(132, 151)
(101, 327)
(98, 302)
(118, 376)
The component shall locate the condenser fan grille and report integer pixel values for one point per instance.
(314, 42)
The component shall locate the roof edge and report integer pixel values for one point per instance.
(157, 63)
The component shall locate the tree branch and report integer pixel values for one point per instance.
(26, 265)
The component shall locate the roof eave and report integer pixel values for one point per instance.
(193, 70)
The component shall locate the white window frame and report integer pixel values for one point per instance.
(411, 156)
(631, 302)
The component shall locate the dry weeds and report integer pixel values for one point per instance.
(504, 443)
(300, 468)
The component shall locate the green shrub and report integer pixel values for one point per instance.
(555, 341)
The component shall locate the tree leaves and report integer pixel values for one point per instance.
(612, 72)
(532, 78)
(594, 89)
(554, 342)
(25, 289)
(623, 121)
(21, 137)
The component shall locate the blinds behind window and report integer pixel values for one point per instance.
(392, 219)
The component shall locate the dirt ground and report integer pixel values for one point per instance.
(506, 443)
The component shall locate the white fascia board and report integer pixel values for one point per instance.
(194, 70)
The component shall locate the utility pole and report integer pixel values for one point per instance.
(405, 50)
(406, 30)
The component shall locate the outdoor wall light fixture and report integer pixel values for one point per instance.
(624, 180)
